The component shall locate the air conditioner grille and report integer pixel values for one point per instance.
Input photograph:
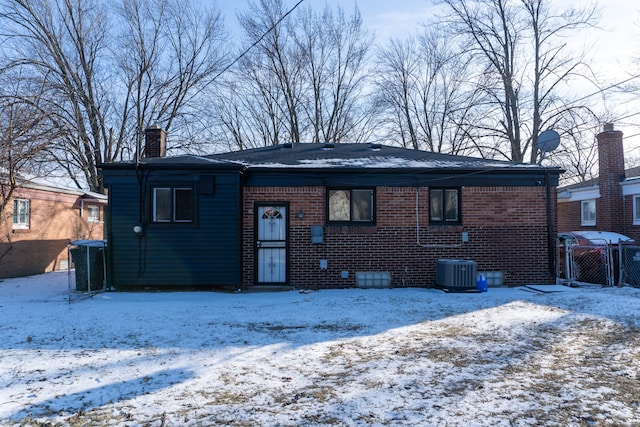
(456, 274)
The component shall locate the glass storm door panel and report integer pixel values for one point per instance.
(271, 244)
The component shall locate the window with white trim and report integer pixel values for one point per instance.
(93, 213)
(588, 212)
(173, 204)
(636, 210)
(21, 213)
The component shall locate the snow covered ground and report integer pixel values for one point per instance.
(333, 357)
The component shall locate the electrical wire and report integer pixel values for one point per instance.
(254, 44)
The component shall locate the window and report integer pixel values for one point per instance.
(20, 213)
(444, 206)
(172, 204)
(93, 214)
(636, 210)
(588, 212)
(351, 206)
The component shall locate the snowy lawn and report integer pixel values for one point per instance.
(335, 357)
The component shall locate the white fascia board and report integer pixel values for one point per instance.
(579, 194)
(630, 187)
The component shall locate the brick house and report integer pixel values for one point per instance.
(38, 222)
(325, 215)
(610, 202)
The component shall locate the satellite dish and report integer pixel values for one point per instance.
(548, 141)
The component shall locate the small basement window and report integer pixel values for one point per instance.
(173, 204)
(351, 206)
(444, 206)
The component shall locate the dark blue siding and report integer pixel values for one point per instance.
(204, 253)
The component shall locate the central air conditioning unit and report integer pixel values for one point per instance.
(456, 274)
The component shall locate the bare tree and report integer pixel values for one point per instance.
(303, 80)
(522, 44)
(333, 49)
(61, 43)
(25, 130)
(578, 156)
(274, 60)
(167, 52)
(430, 97)
(399, 65)
(248, 111)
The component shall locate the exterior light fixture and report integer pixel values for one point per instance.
(300, 214)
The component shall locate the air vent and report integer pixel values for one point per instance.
(287, 145)
(328, 146)
(376, 147)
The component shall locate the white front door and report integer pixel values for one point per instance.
(271, 244)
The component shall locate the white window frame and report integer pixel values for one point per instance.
(23, 205)
(636, 209)
(587, 221)
(93, 213)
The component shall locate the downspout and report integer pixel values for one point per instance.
(551, 253)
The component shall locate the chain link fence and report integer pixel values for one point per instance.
(605, 264)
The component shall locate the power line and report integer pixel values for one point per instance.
(273, 27)
(599, 91)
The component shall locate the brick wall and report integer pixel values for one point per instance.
(569, 216)
(506, 226)
(609, 207)
(54, 222)
(630, 229)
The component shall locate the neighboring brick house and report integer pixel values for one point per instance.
(323, 215)
(610, 202)
(38, 222)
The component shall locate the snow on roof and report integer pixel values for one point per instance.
(60, 185)
(344, 155)
(380, 163)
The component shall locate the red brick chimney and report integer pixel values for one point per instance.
(155, 142)
(609, 207)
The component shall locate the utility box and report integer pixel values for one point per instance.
(456, 274)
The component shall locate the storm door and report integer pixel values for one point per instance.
(271, 244)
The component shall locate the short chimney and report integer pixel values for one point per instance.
(155, 142)
(609, 207)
